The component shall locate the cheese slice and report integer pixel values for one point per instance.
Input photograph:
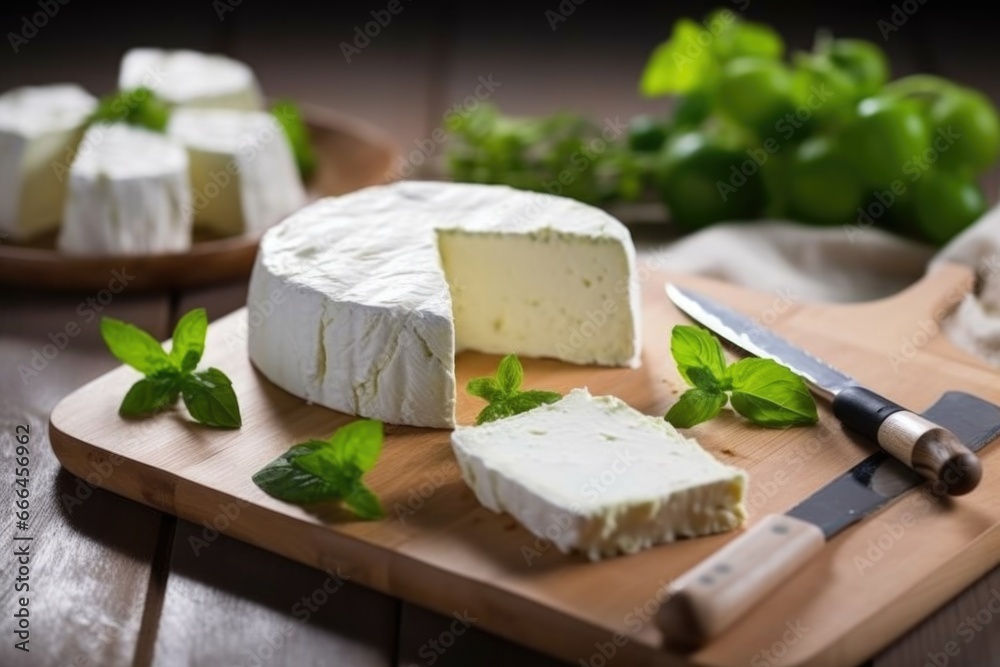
(40, 127)
(591, 474)
(360, 302)
(128, 194)
(243, 175)
(191, 78)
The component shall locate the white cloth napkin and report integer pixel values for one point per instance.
(849, 263)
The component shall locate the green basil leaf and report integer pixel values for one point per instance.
(744, 38)
(139, 106)
(695, 406)
(210, 398)
(769, 394)
(679, 65)
(523, 401)
(133, 346)
(189, 340)
(150, 395)
(351, 451)
(290, 118)
(693, 347)
(494, 411)
(284, 480)
(485, 388)
(363, 502)
(510, 374)
(702, 378)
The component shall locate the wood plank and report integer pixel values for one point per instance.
(92, 549)
(454, 640)
(953, 633)
(217, 613)
(230, 603)
(452, 553)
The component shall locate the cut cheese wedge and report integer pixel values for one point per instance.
(591, 474)
(40, 128)
(191, 78)
(360, 302)
(243, 175)
(128, 194)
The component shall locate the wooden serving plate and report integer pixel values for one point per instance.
(351, 155)
(439, 548)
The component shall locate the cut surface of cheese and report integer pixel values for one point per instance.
(593, 475)
(128, 194)
(191, 78)
(243, 174)
(40, 127)
(358, 309)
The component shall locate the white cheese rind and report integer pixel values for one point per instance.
(592, 474)
(40, 127)
(191, 78)
(128, 194)
(370, 263)
(243, 174)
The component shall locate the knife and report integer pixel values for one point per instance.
(708, 598)
(926, 447)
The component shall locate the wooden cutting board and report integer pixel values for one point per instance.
(440, 549)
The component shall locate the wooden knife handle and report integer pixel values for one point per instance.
(930, 449)
(707, 599)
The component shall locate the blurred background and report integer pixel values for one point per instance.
(430, 55)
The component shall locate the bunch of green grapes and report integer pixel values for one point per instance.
(823, 138)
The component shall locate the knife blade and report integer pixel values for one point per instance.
(928, 448)
(707, 599)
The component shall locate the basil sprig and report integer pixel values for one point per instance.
(762, 390)
(319, 471)
(208, 395)
(503, 392)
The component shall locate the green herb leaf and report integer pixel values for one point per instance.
(679, 65)
(763, 391)
(139, 106)
(290, 118)
(150, 395)
(702, 378)
(693, 347)
(284, 480)
(510, 374)
(696, 406)
(485, 388)
(503, 392)
(355, 446)
(134, 346)
(210, 398)
(189, 340)
(529, 400)
(364, 503)
(327, 470)
(493, 412)
(769, 394)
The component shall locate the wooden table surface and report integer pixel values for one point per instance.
(115, 583)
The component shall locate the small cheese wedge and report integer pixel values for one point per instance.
(128, 194)
(594, 475)
(40, 127)
(242, 170)
(191, 78)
